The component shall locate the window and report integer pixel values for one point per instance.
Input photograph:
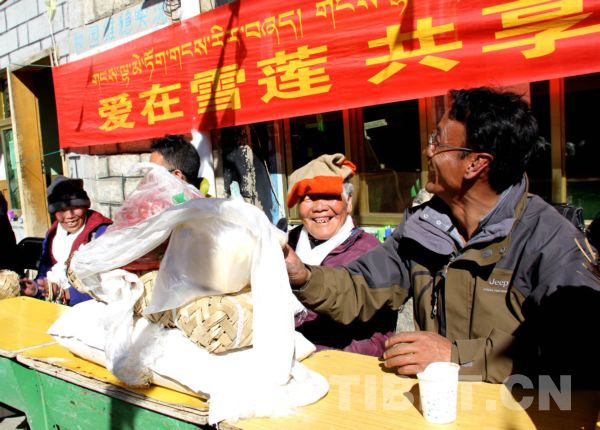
(384, 143)
(539, 171)
(4, 101)
(315, 135)
(582, 142)
(390, 168)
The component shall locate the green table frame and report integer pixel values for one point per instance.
(52, 403)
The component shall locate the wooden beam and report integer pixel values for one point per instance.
(28, 146)
(557, 140)
(427, 123)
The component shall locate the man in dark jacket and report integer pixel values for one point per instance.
(502, 283)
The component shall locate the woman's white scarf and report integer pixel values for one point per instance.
(63, 242)
(317, 254)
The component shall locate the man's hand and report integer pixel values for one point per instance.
(28, 287)
(412, 351)
(43, 286)
(297, 271)
(59, 295)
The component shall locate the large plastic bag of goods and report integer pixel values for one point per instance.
(155, 192)
(211, 246)
(223, 377)
(216, 246)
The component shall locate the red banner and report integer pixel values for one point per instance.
(257, 60)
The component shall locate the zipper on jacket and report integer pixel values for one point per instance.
(436, 289)
(436, 296)
(420, 296)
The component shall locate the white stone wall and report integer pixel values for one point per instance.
(25, 34)
(25, 37)
(106, 178)
(105, 169)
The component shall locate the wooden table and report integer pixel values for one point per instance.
(24, 322)
(59, 390)
(364, 395)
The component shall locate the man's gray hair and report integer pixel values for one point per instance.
(347, 190)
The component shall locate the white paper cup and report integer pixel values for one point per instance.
(438, 386)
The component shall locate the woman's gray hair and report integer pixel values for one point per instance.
(347, 190)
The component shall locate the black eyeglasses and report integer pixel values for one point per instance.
(434, 143)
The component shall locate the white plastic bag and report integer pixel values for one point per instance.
(156, 191)
(201, 141)
(235, 389)
(212, 248)
(216, 246)
(209, 254)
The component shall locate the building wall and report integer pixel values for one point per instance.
(80, 28)
(97, 25)
(26, 33)
(106, 178)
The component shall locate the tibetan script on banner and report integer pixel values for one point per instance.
(256, 60)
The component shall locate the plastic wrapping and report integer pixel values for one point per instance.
(235, 389)
(212, 245)
(216, 246)
(156, 191)
(221, 245)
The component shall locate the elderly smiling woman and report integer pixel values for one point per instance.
(75, 225)
(323, 192)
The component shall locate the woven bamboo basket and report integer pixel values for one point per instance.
(9, 284)
(218, 323)
(215, 323)
(78, 285)
(163, 318)
(75, 281)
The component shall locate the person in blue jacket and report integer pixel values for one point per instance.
(75, 225)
